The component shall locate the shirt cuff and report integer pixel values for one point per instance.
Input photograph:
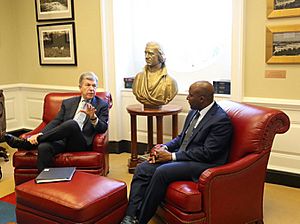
(94, 122)
(173, 156)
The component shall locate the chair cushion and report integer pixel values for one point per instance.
(28, 159)
(185, 196)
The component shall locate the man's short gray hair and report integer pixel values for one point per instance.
(88, 75)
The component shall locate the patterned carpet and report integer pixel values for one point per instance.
(7, 209)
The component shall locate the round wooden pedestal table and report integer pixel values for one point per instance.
(159, 113)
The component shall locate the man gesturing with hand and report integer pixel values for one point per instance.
(73, 129)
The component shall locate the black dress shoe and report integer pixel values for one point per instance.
(129, 220)
(4, 154)
(16, 142)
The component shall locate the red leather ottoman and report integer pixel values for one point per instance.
(87, 198)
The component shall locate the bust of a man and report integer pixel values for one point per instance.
(153, 87)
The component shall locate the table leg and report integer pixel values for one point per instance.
(133, 161)
(150, 133)
(174, 125)
(159, 128)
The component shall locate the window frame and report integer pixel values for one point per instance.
(113, 81)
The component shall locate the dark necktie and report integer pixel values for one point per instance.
(189, 132)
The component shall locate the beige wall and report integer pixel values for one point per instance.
(21, 64)
(8, 46)
(255, 83)
(19, 61)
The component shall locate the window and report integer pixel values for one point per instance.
(196, 36)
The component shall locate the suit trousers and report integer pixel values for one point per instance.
(150, 182)
(63, 138)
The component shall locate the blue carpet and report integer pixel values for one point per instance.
(7, 212)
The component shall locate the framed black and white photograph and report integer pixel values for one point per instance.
(54, 10)
(283, 8)
(56, 43)
(283, 44)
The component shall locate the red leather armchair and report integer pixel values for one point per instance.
(231, 193)
(95, 161)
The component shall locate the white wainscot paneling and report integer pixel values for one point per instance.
(13, 109)
(24, 103)
(33, 108)
(285, 155)
(286, 150)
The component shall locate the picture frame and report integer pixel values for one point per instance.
(54, 10)
(283, 44)
(57, 44)
(287, 8)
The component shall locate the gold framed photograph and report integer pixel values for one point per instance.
(283, 44)
(283, 8)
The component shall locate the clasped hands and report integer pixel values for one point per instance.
(159, 154)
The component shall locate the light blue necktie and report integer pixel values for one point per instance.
(80, 116)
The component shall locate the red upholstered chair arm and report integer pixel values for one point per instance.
(227, 188)
(100, 142)
(35, 131)
(233, 168)
(100, 145)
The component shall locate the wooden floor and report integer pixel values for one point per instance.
(281, 204)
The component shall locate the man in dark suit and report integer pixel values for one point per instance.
(73, 129)
(203, 143)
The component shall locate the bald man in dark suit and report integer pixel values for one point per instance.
(203, 143)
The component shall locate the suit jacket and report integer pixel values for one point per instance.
(68, 110)
(210, 141)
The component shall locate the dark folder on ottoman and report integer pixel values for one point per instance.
(55, 174)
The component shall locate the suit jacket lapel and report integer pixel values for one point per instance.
(74, 106)
(204, 120)
(189, 120)
(93, 102)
